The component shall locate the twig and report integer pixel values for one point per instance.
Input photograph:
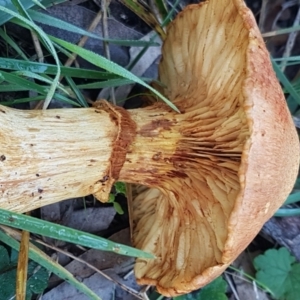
(296, 121)
(40, 55)
(234, 291)
(22, 267)
(143, 292)
(255, 290)
(126, 276)
(156, 13)
(145, 296)
(263, 14)
(247, 278)
(81, 43)
(284, 6)
(17, 235)
(290, 42)
(37, 46)
(84, 39)
(104, 5)
(124, 287)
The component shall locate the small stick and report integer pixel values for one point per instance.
(234, 291)
(104, 5)
(81, 43)
(263, 14)
(290, 42)
(124, 287)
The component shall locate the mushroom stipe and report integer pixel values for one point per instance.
(206, 179)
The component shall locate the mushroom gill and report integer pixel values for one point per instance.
(211, 190)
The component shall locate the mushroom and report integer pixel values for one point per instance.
(208, 178)
(236, 157)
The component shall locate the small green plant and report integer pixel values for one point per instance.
(37, 278)
(280, 272)
(119, 189)
(215, 290)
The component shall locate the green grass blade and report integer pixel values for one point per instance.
(140, 54)
(166, 21)
(162, 8)
(5, 16)
(281, 31)
(63, 50)
(49, 46)
(57, 23)
(292, 198)
(36, 67)
(40, 5)
(22, 100)
(131, 43)
(42, 78)
(287, 212)
(297, 184)
(49, 3)
(45, 261)
(143, 11)
(20, 9)
(64, 233)
(12, 43)
(251, 279)
(286, 83)
(27, 85)
(24, 83)
(168, 18)
(4, 88)
(110, 66)
(105, 84)
(292, 104)
(81, 100)
(62, 98)
(54, 22)
(289, 58)
(14, 88)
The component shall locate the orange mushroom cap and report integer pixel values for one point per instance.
(237, 155)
